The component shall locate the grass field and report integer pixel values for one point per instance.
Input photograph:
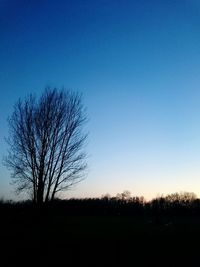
(100, 240)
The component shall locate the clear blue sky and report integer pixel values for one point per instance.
(137, 64)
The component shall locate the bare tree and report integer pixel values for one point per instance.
(46, 143)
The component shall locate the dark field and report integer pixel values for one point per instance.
(43, 239)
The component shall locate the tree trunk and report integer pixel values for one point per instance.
(40, 193)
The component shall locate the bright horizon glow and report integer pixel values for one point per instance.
(137, 64)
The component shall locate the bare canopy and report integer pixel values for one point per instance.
(46, 143)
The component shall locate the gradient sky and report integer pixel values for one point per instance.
(137, 64)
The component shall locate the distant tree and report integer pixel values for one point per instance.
(46, 143)
(182, 197)
(107, 196)
(125, 195)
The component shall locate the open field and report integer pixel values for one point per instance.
(63, 240)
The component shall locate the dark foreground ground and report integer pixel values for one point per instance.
(60, 240)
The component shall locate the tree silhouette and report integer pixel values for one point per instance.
(46, 143)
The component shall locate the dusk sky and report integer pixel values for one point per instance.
(137, 64)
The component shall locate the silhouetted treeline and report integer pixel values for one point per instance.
(121, 205)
